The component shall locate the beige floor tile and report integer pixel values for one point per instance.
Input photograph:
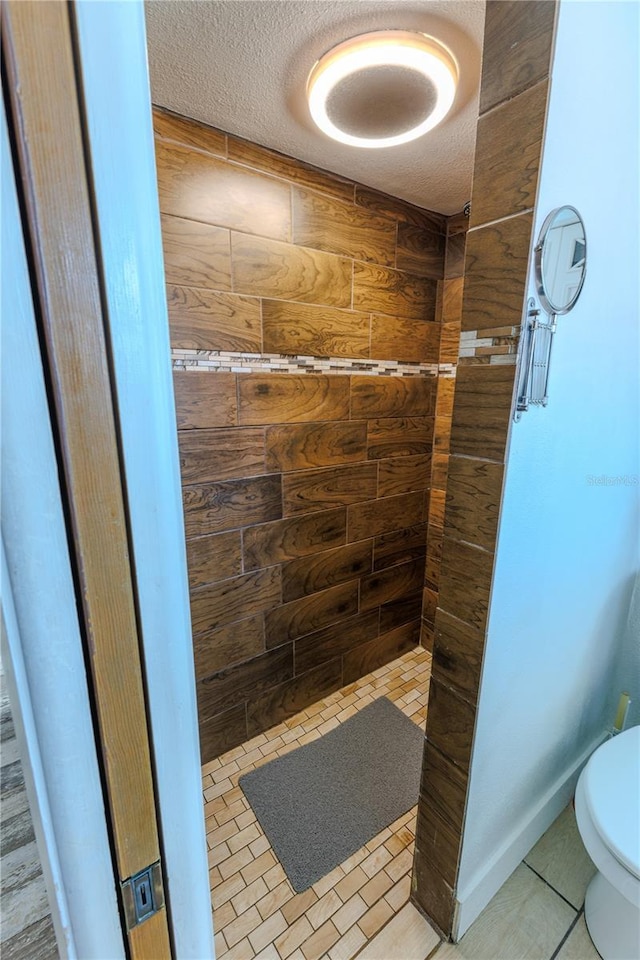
(375, 918)
(348, 946)
(238, 929)
(578, 945)
(241, 951)
(399, 894)
(526, 920)
(322, 940)
(560, 857)
(355, 879)
(407, 937)
(293, 936)
(299, 904)
(279, 897)
(347, 915)
(325, 907)
(376, 888)
(268, 931)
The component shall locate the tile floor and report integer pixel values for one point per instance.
(361, 909)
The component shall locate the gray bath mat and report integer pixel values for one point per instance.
(322, 802)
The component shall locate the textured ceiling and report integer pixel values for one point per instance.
(242, 66)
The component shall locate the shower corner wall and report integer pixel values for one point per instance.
(518, 44)
(305, 317)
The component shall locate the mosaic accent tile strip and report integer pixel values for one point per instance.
(498, 345)
(224, 362)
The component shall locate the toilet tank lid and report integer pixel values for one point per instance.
(612, 791)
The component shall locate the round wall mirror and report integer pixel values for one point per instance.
(561, 260)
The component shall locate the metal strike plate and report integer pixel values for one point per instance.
(143, 895)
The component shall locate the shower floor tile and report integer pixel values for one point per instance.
(256, 912)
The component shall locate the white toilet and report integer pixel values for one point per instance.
(608, 815)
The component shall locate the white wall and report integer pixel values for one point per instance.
(559, 637)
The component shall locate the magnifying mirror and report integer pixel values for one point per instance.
(561, 260)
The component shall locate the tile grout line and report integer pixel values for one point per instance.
(572, 927)
(551, 887)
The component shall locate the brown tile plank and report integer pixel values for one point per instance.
(443, 785)
(454, 262)
(310, 574)
(308, 614)
(306, 491)
(452, 304)
(279, 165)
(495, 280)
(465, 582)
(333, 641)
(404, 609)
(420, 251)
(202, 319)
(399, 437)
(400, 546)
(222, 732)
(444, 401)
(457, 651)
(396, 292)
(398, 209)
(482, 411)
(289, 698)
(376, 517)
(403, 475)
(395, 582)
(441, 838)
(508, 148)
(474, 493)
(431, 892)
(269, 268)
(450, 342)
(217, 604)
(205, 399)
(199, 187)
(297, 328)
(221, 454)
(214, 507)
(375, 397)
(375, 653)
(451, 722)
(244, 680)
(196, 254)
(397, 338)
(342, 228)
(214, 558)
(518, 41)
(190, 133)
(292, 538)
(287, 398)
(300, 446)
(233, 643)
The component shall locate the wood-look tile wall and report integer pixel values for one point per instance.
(516, 61)
(305, 496)
(450, 311)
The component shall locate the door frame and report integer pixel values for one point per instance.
(120, 157)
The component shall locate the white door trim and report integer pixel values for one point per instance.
(114, 77)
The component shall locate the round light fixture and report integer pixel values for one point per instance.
(383, 88)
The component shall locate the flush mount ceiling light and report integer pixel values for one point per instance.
(383, 88)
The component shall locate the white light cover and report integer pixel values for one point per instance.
(397, 48)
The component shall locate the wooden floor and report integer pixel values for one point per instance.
(256, 912)
(26, 930)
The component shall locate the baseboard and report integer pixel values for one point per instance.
(476, 894)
